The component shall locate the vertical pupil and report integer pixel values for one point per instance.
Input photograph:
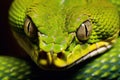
(29, 24)
(86, 30)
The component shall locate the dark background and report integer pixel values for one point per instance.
(5, 39)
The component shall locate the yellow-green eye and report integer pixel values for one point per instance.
(29, 28)
(84, 31)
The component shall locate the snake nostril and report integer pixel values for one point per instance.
(60, 55)
(44, 59)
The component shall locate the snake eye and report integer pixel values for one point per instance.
(84, 31)
(30, 28)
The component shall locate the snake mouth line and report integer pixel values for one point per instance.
(91, 54)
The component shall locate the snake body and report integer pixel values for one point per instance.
(59, 34)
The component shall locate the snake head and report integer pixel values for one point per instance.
(60, 34)
(55, 47)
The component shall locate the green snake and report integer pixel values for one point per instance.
(62, 34)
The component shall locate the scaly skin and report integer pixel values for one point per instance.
(58, 34)
(54, 35)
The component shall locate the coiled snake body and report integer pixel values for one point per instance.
(58, 34)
